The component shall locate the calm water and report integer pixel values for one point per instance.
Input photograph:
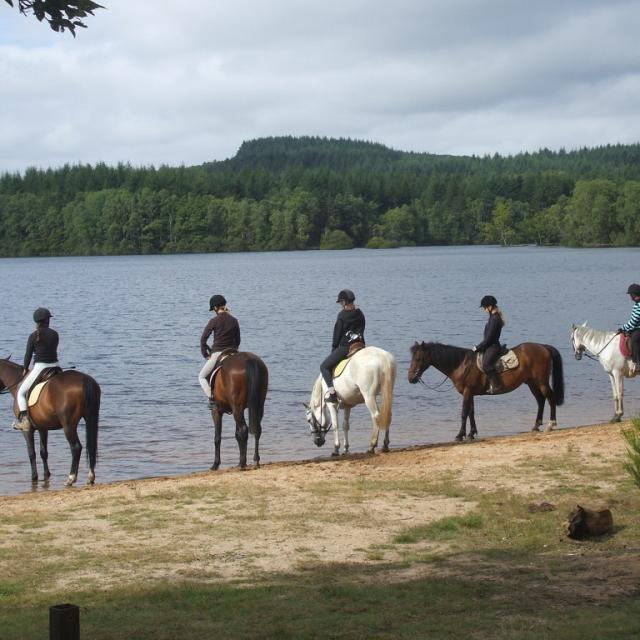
(134, 324)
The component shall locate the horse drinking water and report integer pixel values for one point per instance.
(370, 372)
(537, 362)
(63, 401)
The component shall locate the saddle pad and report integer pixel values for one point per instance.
(505, 363)
(625, 346)
(35, 393)
(340, 367)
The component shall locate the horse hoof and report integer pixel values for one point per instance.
(69, 481)
(459, 438)
(385, 449)
(371, 451)
(471, 437)
(616, 419)
(91, 477)
(336, 452)
(214, 467)
(536, 428)
(551, 426)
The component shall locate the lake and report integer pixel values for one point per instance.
(134, 324)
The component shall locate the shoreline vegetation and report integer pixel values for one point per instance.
(442, 541)
(289, 193)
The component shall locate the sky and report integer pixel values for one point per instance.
(153, 82)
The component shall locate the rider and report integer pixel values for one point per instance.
(491, 342)
(42, 346)
(226, 335)
(632, 327)
(348, 328)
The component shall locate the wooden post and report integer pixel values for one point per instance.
(64, 622)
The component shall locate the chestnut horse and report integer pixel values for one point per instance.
(66, 398)
(537, 363)
(241, 383)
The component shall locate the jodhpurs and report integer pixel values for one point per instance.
(25, 385)
(329, 363)
(205, 372)
(635, 345)
(490, 357)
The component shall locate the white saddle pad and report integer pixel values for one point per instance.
(35, 393)
(506, 362)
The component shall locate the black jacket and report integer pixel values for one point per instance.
(45, 347)
(348, 320)
(492, 331)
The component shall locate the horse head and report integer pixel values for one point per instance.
(315, 418)
(420, 361)
(576, 341)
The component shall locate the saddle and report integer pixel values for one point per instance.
(216, 367)
(36, 388)
(354, 347)
(508, 360)
(625, 346)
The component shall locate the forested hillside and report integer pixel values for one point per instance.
(300, 193)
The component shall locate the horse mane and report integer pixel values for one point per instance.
(445, 355)
(316, 392)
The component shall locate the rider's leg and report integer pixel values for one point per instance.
(326, 368)
(489, 360)
(23, 423)
(635, 347)
(203, 376)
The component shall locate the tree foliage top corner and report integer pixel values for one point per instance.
(59, 14)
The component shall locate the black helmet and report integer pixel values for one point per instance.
(634, 289)
(217, 301)
(346, 295)
(488, 301)
(41, 314)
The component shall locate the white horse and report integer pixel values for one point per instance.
(604, 345)
(370, 372)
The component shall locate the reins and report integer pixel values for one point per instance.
(596, 355)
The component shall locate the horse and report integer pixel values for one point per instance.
(67, 397)
(537, 362)
(369, 373)
(240, 383)
(604, 345)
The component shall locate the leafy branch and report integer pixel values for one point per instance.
(59, 14)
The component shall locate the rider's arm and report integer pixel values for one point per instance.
(338, 330)
(208, 330)
(492, 333)
(29, 352)
(634, 320)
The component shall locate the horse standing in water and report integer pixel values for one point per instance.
(63, 401)
(537, 362)
(606, 346)
(240, 383)
(370, 372)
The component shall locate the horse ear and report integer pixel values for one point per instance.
(584, 324)
(305, 405)
(573, 326)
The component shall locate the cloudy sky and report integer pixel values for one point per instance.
(159, 81)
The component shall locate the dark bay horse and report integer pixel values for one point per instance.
(65, 399)
(241, 383)
(538, 362)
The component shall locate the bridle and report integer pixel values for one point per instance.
(434, 387)
(581, 350)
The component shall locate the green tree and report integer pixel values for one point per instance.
(59, 14)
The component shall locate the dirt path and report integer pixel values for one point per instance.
(235, 525)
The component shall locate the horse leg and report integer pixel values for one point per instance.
(242, 436)
(473, 432)
(546, 391)
(466, 400)
(31, 450)
(76, 449)
(44, 452)
(345, 428)
(335, 427)
(256, 454)
(539, 396)
(372, 405)
(617, 386)
(217, 437)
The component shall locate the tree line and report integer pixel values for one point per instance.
(303, 193)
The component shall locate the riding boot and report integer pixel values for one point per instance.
(495, 384)
(331, 396)
(213, 405)
(22, 423)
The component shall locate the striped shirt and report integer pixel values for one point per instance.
(634, 320)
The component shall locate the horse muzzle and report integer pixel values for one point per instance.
(318, 439)
(578, 355)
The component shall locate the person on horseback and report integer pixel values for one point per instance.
(490, 345)
(348, 328)
(42, 346)
(632, 326)
(226, 335)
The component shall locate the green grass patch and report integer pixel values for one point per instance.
(443, 529)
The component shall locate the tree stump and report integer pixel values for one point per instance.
(585, 522)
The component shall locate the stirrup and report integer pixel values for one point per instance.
(212, 404)
(22, 422)
(331, 397)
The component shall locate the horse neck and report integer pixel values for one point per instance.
(316, 393)
(593, 339)
(10, 374)
(447, 358)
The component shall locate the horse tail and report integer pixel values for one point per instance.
(388, 382)
(557, 375)
(91, 391)
(255, 376)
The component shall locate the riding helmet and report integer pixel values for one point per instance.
(217, 301)
(41, 314)
(634, 289)
(488, 301)
(346, 295)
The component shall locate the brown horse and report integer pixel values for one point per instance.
(537, 362)
(241, 383)
(65, 399)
